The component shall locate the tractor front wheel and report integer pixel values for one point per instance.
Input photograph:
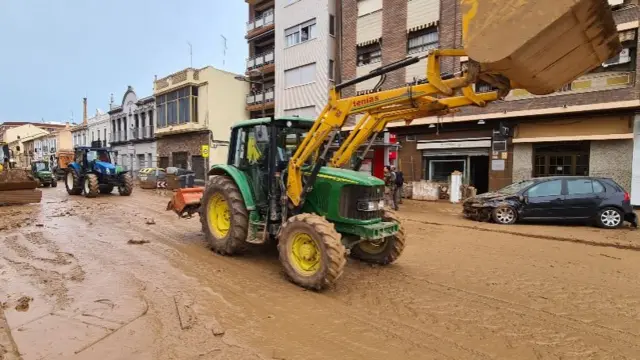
(91, 186)
(72, 182)
(126, 186)
(384, 251)
(224, 217)
(311, 251)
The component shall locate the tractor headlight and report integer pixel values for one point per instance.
(107, 171)
(371, 205)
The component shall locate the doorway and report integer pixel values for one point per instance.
(479, 173)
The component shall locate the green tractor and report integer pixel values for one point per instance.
(42, 173)
(245, 202)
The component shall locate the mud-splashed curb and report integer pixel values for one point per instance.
(8, 347)
(635, 247)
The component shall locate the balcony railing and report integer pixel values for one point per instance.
(140, 133)
(263, 20)
(118, 136)
(260, 60)
(261, 97)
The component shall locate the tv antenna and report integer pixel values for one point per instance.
(224, 51)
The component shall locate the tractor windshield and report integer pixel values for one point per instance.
(99, 155)
(42, 166)
(288, 141)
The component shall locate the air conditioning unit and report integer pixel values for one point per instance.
(622, 58)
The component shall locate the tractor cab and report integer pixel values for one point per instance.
(5, 156)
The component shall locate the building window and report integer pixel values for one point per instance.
(557, 159)
(177, 107)
(332, 70)
(422, 40)
(369, 54)
(299, 76)
(332, 25)
(411, 138)
(308, 112)
(300, 33)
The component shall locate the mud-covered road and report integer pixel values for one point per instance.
(73, 286)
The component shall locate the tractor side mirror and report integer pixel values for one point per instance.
(262, 134)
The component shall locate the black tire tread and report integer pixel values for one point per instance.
(127, 187)
(94, 187)
(235, 241)
(76, 186)
(334, 251)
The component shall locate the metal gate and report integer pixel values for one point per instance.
(197, 163)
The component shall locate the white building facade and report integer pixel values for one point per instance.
(79, 135)
(98, 128)
(304, 50)
(132, 132)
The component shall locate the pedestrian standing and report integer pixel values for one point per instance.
(390, 187)
(399, 186)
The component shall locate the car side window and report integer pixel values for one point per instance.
(580, 187)
(548, 188)
(598, 187)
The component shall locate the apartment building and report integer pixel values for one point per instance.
(195, 111)
(99, 128)
(46, 126)
(132, 131)
(291, 65)
(586, 128)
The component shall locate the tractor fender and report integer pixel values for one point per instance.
(73, 167)
(241, 181)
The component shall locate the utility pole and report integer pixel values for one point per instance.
(224, 52)
(190, 54)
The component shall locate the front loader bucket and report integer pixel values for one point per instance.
(540, 45)
(185, 202)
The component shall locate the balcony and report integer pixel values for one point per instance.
(262, 62)
(180, 128)
(601, 81)
(141, 133)
(260, 24)
(118, 137)
(261, 100)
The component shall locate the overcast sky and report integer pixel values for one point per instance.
(53, 53)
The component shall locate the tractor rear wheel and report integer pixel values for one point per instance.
(224, 217)
(384, 251)
(311, 251)
(106, 189)
(91, 186)
(126, 187)
(72, 182)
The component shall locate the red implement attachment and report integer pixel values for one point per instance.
(186, 202)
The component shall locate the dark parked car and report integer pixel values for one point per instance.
(594, 199)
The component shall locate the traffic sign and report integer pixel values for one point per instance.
(204, 151)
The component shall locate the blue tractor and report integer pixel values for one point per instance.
(92, 173)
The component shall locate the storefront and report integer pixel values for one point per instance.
(185, 150)
(587, 145)
(469, 156)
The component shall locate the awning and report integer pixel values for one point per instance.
(483, 142)
(455, 152)
(368, 42)
(574, 138)
(423, 26)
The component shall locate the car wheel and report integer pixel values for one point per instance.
(610, 218)
(505, 215)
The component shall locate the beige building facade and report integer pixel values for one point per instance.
(195, 109)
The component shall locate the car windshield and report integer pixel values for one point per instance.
(99, 155)
(515, 187)
(41, 166)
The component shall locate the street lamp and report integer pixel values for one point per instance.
(260, 82)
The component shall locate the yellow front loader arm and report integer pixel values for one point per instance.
(381, 107)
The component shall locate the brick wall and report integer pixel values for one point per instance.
(450, 33)
(349, 52)
(394, 39)
(189, 142)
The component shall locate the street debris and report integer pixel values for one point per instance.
(151, 221)
(185, 312)
(23, 303)
(137, 242)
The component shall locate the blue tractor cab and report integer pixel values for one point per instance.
(92, 172)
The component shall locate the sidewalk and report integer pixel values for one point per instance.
(446, 214)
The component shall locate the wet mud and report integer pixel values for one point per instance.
(456, 292)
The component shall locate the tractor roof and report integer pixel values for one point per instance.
(267, 120)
